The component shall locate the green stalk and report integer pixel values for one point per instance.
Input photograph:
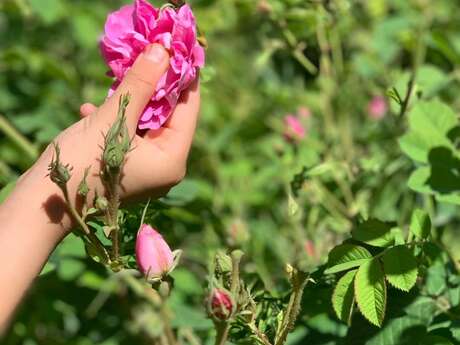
(222, 332)
(18, 139)
(102, 252)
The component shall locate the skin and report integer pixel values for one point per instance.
(34, 218)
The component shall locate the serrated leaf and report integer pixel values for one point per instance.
(400, 268)
(420, 224)
(429, 123)
(343, 297)
(371, 292)
(374, 232)
(346, 256)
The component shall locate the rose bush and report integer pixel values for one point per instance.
(130, 29)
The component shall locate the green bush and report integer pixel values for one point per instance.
(367, 204)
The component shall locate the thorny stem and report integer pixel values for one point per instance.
(17, 138)
(222, 332)
(102, 252)
(223, 327)
(418, 59)
(299, 280)
(260, 336)
(112, 213)
(189, 336)
(167, 325)
(141, 289)
(296, 48)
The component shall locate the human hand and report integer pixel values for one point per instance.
(157, 161)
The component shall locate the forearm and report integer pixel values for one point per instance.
(33, 220)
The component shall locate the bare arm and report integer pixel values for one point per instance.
(34, 218)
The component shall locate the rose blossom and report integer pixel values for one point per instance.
(377, 107)
(153, 255)
(294, 128)
(130, 29)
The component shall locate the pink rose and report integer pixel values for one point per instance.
(153, 255)
(130, 29)
(294, 128)
(377, 107)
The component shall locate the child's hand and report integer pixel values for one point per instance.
(157, 161)
(34, 217)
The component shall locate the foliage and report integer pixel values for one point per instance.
(368, 206)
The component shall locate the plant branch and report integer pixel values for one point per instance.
(94, 240)
(223, 329)
(17, 138)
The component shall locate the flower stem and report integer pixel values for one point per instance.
(222, 332)
(112, 215)
(18, 139)
(298, 280)
(93, 239)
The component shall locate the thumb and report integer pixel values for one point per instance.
(140, 82)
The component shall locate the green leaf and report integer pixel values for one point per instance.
(420, 224)
(400, 268)
(432, 339)
(418, 181)
(371, 291)
(346, 256)
(343, 297)
(374, 232)
(183, 193)
(49, 10)
(429, 123)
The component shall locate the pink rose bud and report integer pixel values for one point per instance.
(310, 250)
(377, 108)
(304, 112)
(294, 129)
(153, 255)
(221, 305)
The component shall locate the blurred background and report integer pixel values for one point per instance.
(298, 137)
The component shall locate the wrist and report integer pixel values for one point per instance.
(36, 205)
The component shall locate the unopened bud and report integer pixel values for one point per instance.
(113, 157)
(223, 263)
(102, 203)
(117, 141)
(238, 233)
(83, 188)
(58, 173)
(221, 304)
(153, 255)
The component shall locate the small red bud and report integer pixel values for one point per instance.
(221, 305)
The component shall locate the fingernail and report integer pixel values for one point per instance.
(155, 52)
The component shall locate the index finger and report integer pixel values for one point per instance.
(140, 82)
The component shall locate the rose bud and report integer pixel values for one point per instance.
(304, 112)
(153, 255)
(220, 304)
(377, 108)
(294, 128)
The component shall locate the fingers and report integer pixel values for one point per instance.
(178, 131)
(140, 82)
(87, 109)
